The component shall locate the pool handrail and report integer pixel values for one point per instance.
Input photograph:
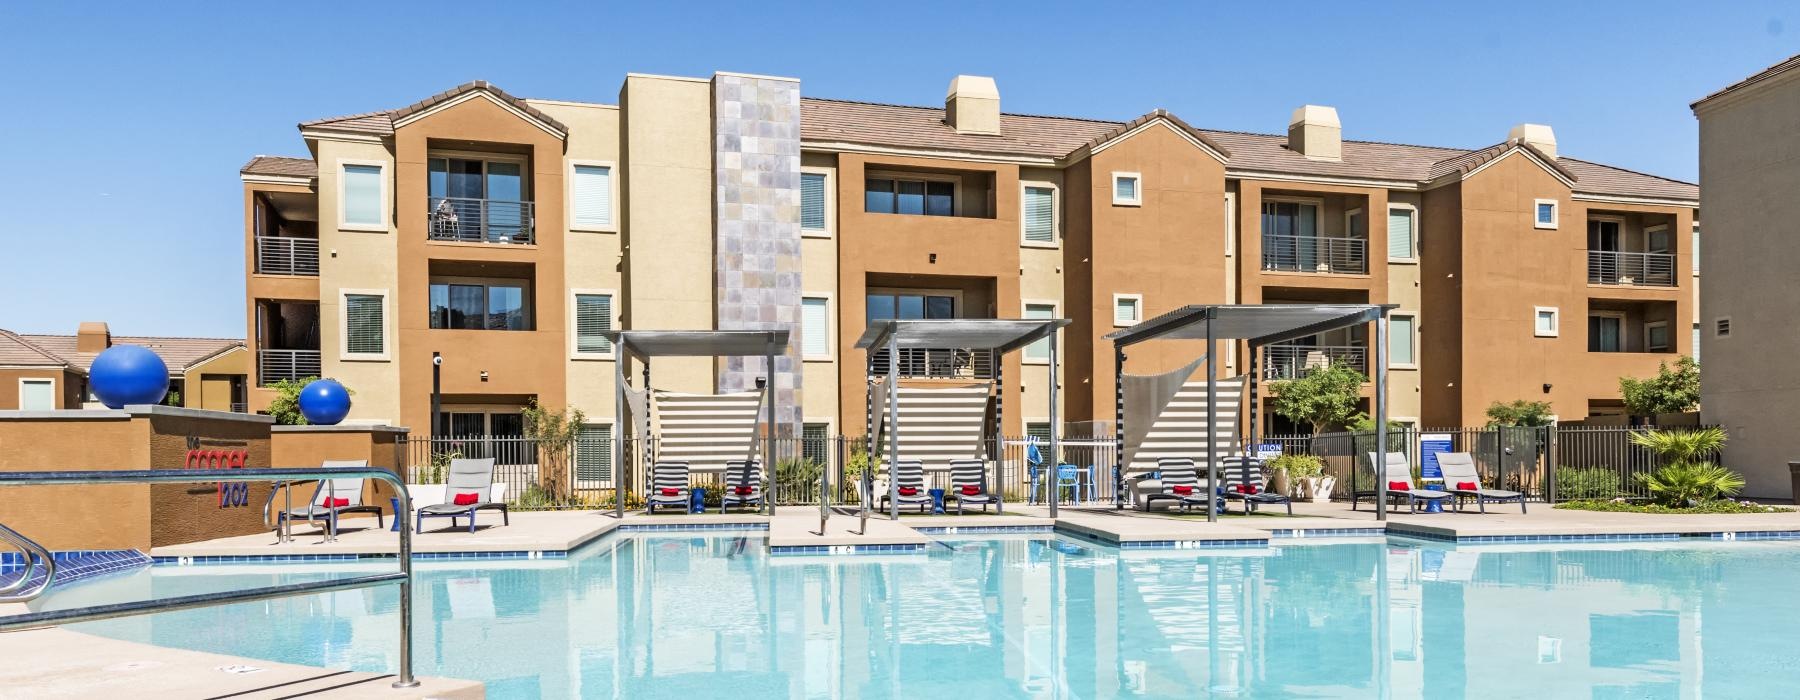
(89, 613)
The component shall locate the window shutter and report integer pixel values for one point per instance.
(593, 196)
(362, 194)
(1400, 340)
(815, 327)
(1040, 215)
(593, 317)
(1125, 310)
(363, 326)
(593, 453)
(1400, 234)
(812, 201)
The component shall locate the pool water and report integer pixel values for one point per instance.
(661, 615)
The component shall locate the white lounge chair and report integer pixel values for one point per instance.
(669, 487)
(968, 482)
(468, 490)
(1459, 471)
(1396, 471)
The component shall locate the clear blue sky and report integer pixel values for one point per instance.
(124, 125)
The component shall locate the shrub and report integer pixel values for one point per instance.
(1672, 390)
(285, 407)
(794, 478)
(1586, 483)
(1519, 414)
(1327, 397)
(1299, 466)
(1686, 485)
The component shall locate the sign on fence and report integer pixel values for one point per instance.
(1430, 445)
(1268, 450)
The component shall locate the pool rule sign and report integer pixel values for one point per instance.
(1430, 446)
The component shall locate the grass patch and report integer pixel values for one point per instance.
(1723, 506)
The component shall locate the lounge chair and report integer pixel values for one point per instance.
(1459, 471)
(669, 487)
(1396, 471)
(743, 484)
(968, 482)
(909, 484)
(469, 489)
(1181, 484)
(331, 499)
(1243, 477)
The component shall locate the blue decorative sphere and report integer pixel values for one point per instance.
(126, 375)
(324, 402)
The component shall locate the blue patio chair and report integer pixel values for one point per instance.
(1034, 467)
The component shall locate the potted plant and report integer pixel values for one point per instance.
(1306, 476)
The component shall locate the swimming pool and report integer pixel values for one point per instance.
(653, 615)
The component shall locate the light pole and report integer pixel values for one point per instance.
(437, 365)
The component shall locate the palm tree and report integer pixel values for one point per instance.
(1687, 477)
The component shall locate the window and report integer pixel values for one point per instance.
(593, 318)
(1040, 215)
(365, 324)
(1128, 189)
(1549, 325)
(815, 442)
(591, 195)
(1402, 335)
(363, 197)
(1290, 219)
(593, 452)
(1127, 309)
(1545, 216)
(1604, 333)
(37, 394)
(812, 202)
(1039, 351)
(815, 328)
(1695, 352)
(907, 307)
(1656, 240)
(1656, 336)
(918, 197)
(1038, 429)
(1695, 254)
(1722, 328)
(1401, 233)
(492, 306)
(1230, 225)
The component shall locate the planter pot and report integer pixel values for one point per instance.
(1318, 488)
(1278, 482)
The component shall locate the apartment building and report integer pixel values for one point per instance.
(502, 234)
(50, 371)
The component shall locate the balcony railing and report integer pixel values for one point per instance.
(1295, 361)
(287, 255)
(1637, 269)
(481, 220)
(275, 365)
(935, 363)
(1344, 256)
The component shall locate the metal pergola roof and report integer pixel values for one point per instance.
(1260, 324)
(697, 343)
(1004, 335)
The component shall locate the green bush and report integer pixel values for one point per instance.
(1720, 506)
(1686, 485)
(1586, 483)
(796, 477)
(285, 407)
(1299, 466)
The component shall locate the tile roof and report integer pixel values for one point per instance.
(178, 353)
(1468, 162)
(280, 165)
(1154, 115)
(840, 121)
(16, 351)
(382, 123)
(1790, 63)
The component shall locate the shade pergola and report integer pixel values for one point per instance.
(992, 335)
(643, 345)
(1257, 325)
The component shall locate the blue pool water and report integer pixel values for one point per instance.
(660, 615)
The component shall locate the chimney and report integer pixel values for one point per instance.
(92, 337)
(973, 105)
(1314, 132)
(1539, 136)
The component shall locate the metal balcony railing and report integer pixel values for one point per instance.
(1613, 267)
(1286, 361)
(481, 220)
(287, 255)
(1344, 256)
(273, 365)
(936, 363)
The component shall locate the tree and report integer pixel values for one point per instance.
(1325, 398)
(285, 407)
(1519, 414)
(1672, 390)
(555, 433)
(1687, 477)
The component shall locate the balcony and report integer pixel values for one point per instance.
(273, 365)
(496, 221)
(935, 363)
(1318, 254)
(287, 255)
(1288, 361)
(1616, 268)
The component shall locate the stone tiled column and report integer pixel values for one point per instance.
(756, 161)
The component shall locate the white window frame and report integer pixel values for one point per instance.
(574, 337)
(387, 326)
(1414, 315)
(612, 181)
(1138, 303)
(830, 325)
(1413, 249)
(1138, 190)
(1670, 347)
(1694, 236)
(384, 206)
(1055, 214)
(1555, 321)
(37, 380)
(1055, 309)
(830, 203)
(1230, 224)
(1555, 213)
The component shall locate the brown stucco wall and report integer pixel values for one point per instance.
(68, 386)
(182, 513)
(1440, 318)
(312, 445)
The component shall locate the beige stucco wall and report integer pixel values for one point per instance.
(1040, 282)
(592, 258)
(1403, 288)
(819, 392)
(208, 384)
(360, 260)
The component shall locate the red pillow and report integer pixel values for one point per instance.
(745, 490)
(908, 491)
(971, 490)
(1399, 486)
(1182, 490)
(1467, 486)
(671, 492)
(466, 499)
(337, 502)
(1247, 489)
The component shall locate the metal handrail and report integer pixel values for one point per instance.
(32, 551)
(1615, 267)
(187, 476)
(1328, 254)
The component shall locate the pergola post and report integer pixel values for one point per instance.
(1255, 403)
(768, 463)
(1212, 424)
(893, 422)
(999, 445)
(1381, 414)
(1119, 426)
(619, 429)
(1055, 430)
